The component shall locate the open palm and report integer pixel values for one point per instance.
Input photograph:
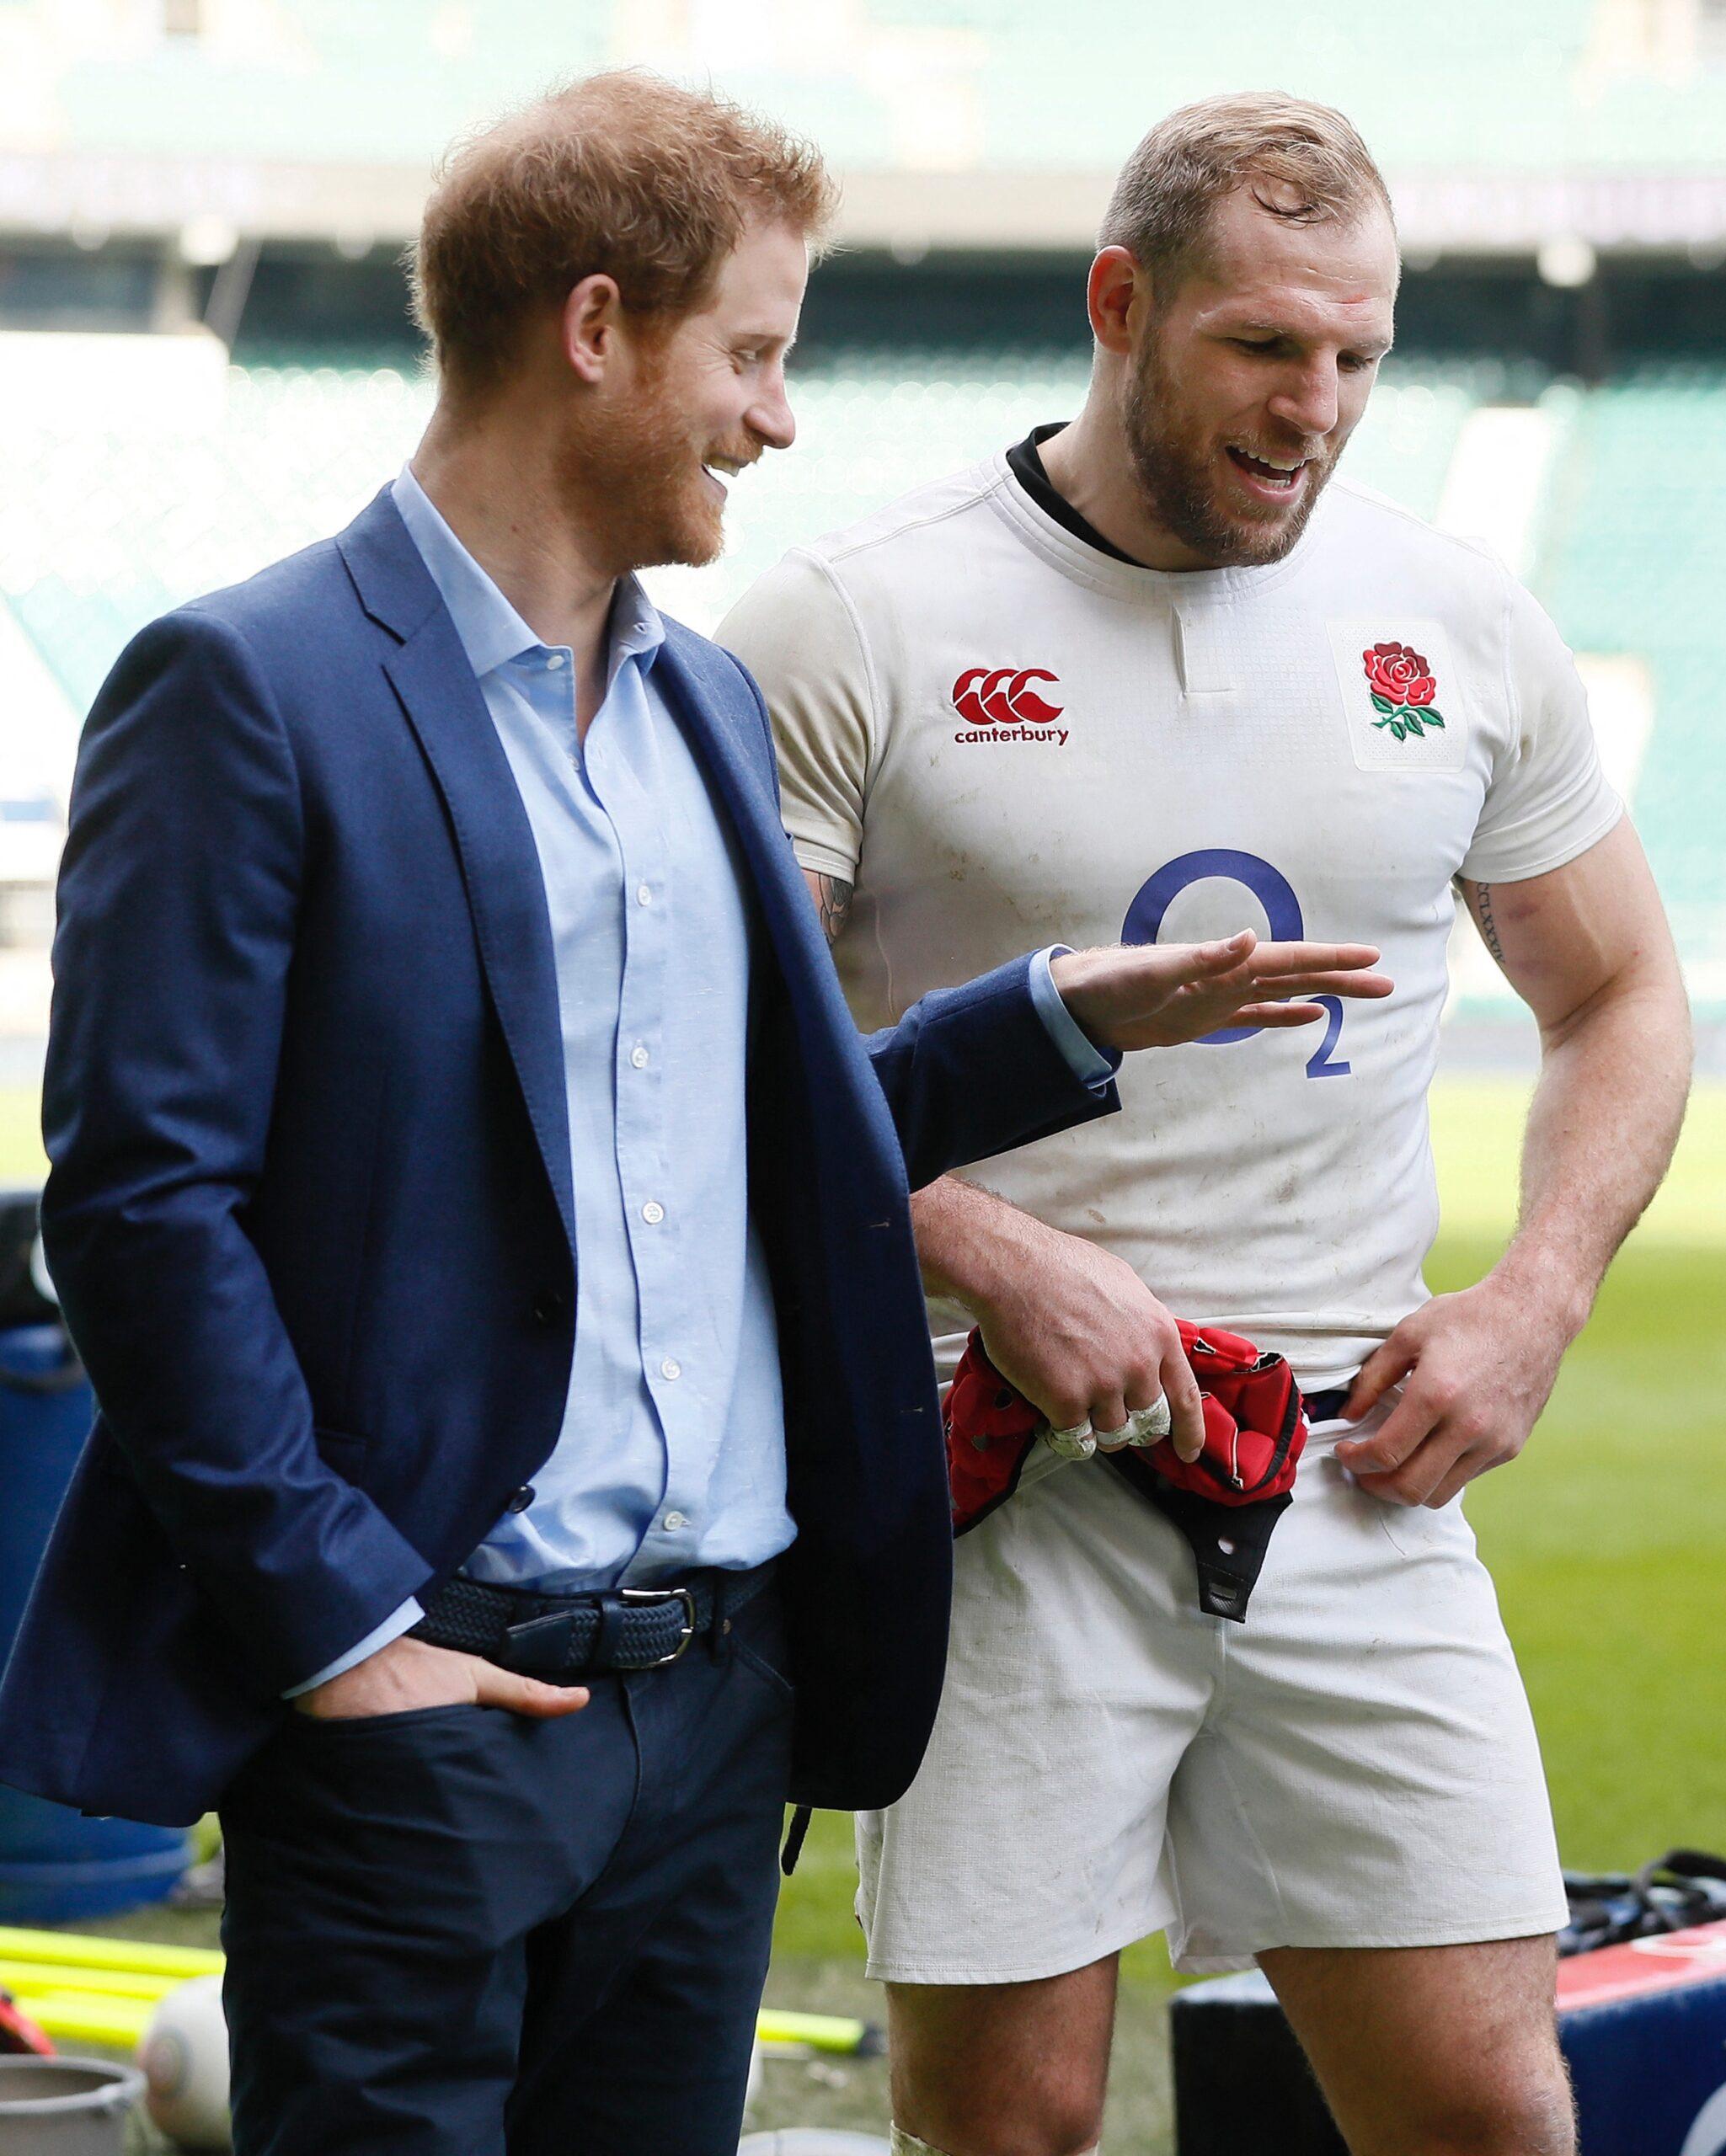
(1160, 994)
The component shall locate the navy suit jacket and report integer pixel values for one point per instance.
(310, 1209)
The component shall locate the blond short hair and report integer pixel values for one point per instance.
(1162, 203)
(623, 173)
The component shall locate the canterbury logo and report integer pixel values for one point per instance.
(1000, 697)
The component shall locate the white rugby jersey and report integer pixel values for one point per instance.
(1004, 737)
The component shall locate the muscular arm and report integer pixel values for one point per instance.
(1588, 949)
(832, 896)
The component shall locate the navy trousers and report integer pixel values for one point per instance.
(457, 1932)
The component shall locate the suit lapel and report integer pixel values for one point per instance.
(435, 684)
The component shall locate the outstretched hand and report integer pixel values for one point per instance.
(1138, 996)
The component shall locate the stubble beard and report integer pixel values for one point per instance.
(633, 480)
(1171, 462)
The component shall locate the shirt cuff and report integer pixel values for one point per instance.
(392, 1628)
(1090, 1063)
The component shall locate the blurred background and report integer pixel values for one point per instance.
(205, 362)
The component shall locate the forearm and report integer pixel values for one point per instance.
(970, 1242)
(1602, 1128)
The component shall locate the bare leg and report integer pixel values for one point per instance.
(1003, 2069)
(1433, 2051)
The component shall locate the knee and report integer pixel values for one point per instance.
(1021, 2138)
(1046, 2128)
(1531, 2115)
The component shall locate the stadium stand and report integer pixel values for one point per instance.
(1633, 559)
(102, 528)
(1562, 83)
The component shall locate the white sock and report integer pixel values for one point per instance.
(907, 2144)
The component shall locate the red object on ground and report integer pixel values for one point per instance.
(1254, 1428)
(19, 2033)
(1664, 1962)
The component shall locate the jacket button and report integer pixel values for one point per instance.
(550, 1307)
(521, 1500)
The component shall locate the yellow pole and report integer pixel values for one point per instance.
(82, 2017)
(82, 1951)
(28, 1978)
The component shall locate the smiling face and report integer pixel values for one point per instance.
(1245, 380)
(648, 463)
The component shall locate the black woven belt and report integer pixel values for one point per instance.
(563, 1638)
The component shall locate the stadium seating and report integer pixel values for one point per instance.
(945, 84)
(1633, 559)
(100, 530)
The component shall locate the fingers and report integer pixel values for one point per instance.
(1462, 1472)
(1149, 1425)
(1385, 1366)
(1425, 1470)
(1274, 1014)
(1359, 987)
(1274, 961)
(1407, 1425)
(1110, 1423)
(524, 1695)
(1217, 957)
(1186, 1404)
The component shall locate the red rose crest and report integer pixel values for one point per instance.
(1403, 690)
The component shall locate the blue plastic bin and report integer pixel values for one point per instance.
(56, 1865)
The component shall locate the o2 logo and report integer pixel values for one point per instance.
(1282, 910)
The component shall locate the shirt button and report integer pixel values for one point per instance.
(553, 660)
(670, 1368)
(673, 1521)
(644, 895)
(653, 1212)
(638, 1056)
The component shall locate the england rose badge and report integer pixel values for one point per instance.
(1403, 690)
(1404, 706)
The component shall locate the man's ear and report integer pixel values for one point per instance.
(590, 327)
(1116, 280)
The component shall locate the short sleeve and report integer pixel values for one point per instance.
(795, 632)
(1548, 800)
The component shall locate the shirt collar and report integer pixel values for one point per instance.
(491, 631)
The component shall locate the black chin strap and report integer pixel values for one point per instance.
(1228, 1542)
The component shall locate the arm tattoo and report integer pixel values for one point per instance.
(836, 904)
(1488, 926)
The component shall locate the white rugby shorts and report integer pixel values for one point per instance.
(1354, 1766)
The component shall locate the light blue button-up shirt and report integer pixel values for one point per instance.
(672, 1451)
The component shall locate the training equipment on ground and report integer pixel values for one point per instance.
(82, 1989)
(1682, 1888)
(56, 1865)
(18, 2034)
(822, 2032)
(184, 2054)
(166, 2001)
(66, 2106)
(1641, 2025)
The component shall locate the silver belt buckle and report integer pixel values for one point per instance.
(660, 1595)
